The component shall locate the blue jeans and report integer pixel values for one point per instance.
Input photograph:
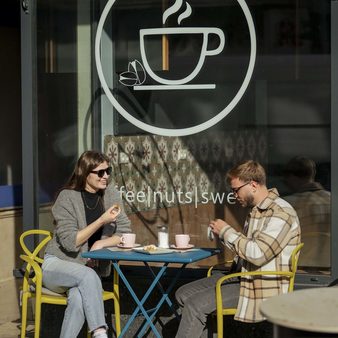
(84, 290)
(198, 299)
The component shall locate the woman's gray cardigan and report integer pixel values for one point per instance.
(70, 217)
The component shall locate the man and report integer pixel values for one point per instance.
(313, 206)
(270, 234)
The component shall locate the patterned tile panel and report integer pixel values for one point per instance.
(166, 171)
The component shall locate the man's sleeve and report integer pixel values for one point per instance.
(264, 244)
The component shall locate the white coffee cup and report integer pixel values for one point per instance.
(128, 240)
(204, 31)
(182, 240)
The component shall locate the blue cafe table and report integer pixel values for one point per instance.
(180, 258)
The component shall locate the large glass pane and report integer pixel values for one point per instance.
(283, 118)
(10, 117)
(64, 89)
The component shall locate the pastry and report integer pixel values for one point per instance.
(150, 248)
(116, 208)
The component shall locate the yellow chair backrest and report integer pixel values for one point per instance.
(294, 264)
(47, 236)
(32, 256)
(44, 237)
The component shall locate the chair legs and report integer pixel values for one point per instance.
(24, 315)
(117, 316)
(219, 325)
(37, 316)
(37, 322)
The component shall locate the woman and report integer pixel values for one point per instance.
(86, 217)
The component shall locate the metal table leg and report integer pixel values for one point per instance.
(139, 303)
(165, 296)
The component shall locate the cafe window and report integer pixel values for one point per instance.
(288, 99)
(283, 114)
(64, 90)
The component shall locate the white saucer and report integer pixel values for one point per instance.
(190, 246)
(157, 251)
(128, 247)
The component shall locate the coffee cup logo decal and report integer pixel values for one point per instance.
(181, 83)
(175, 84)
(139, 69)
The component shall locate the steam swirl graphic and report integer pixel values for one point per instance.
(175, 8)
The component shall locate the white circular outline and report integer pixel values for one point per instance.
(182, 131)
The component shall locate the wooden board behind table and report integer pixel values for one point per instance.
(189, 220)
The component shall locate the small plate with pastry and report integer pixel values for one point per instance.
(153, 250)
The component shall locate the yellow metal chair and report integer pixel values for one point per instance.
(32, 285)
(220, 311)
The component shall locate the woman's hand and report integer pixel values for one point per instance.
(97, 245)
(106, 242)
(111, 214)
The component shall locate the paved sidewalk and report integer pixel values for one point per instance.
(12, 330)
(234, 330)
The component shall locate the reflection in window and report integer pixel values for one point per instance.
(312, 203)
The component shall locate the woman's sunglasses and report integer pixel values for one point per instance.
(101, 172)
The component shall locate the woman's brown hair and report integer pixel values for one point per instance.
(87, 162)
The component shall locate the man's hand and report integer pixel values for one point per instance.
(217, 225)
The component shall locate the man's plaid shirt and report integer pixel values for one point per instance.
(271, 232)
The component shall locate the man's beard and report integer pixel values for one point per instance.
(248, 201)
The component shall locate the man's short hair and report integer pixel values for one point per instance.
(302, 167)
(246, 172)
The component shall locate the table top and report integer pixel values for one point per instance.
(314, 310)
(186, 257)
